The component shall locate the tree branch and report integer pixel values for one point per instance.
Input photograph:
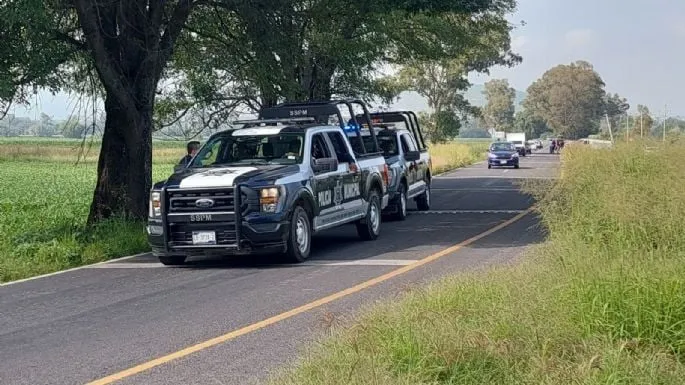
(64, 37)
(7, 109)
(112, 77)
(171, 33)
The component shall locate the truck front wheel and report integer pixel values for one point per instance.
(370, 227)
(300, 239)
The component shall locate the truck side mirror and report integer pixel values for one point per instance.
(325, 165)
(412, 156)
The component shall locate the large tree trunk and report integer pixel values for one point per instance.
(125, 165)
(321, 76)
(130, 43)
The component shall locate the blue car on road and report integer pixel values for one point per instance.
(503, 154)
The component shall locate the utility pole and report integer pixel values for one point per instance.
(665, 107)
(611, 135)
(627, 120)
(641, 129)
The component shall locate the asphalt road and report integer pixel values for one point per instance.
(233, 322)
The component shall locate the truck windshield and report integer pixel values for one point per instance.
(282, 148)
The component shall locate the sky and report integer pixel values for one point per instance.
(637, 47)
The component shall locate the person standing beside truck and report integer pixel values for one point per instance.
(191, 149)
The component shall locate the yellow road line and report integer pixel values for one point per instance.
(299, 310)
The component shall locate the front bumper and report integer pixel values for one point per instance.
(503, 162)
(254, 235)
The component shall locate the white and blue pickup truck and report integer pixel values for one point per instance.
(270, 185)
(407, 156)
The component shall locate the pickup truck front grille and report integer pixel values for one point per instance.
(201, 210)
(188, 201)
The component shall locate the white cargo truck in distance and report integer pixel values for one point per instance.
(519, 141)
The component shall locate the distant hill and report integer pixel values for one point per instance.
(415, 102)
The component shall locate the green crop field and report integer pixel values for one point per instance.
(601, 302)
(45, 190)
(44, 200)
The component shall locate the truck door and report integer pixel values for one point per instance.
(350, 173)
(410, 166)
(327, 186)
(323, 180)
(422, 163)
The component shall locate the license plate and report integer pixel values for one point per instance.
(204, 238)
(502, 162)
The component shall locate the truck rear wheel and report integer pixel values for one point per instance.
(370, 227)
(423, 201)
(401, 205)
(173, 260)
(300, 238)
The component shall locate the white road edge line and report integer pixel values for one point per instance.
(142, 265)
(494, 177)
(468, 212)
(73, 269)
(361, 262)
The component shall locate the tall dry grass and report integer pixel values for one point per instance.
(601, 302)
(448, 156)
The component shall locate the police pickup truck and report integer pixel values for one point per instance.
(407, 156)
(270, 185)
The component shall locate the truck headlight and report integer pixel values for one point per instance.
(270, 199)
(155, 204)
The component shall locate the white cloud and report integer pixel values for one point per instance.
(579, 37)
(518, 42)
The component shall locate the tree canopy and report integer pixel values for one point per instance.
(534, 126)
(169, 57)
(315, 50)
(570, 98)
(499, 110)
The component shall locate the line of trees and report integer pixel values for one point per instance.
(570, 101)
(154, 62)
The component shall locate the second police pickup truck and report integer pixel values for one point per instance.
(270, 185)
(407, 156)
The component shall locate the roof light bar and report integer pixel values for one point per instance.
(279, 120)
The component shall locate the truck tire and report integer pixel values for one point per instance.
(173, 260)
(300, 237)
(401, 205)
(423, 201)
(369, 228)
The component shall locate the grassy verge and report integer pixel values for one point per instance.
(602, 302)
(45, 196)
(453, 155)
